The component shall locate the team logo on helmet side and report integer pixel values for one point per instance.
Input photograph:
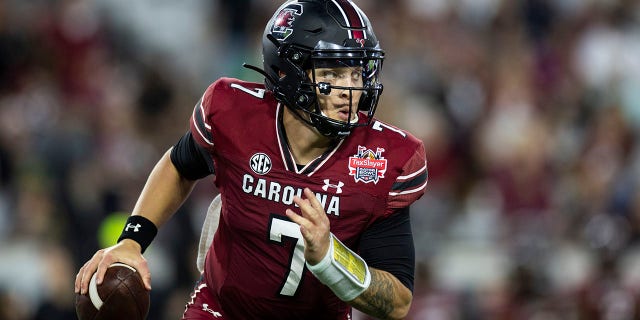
(367, 165)
(283, 24)
(260, 163)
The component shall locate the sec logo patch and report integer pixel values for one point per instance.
(260, 163)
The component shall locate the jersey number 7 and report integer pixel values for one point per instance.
(282, 230)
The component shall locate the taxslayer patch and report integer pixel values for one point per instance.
(367, 166)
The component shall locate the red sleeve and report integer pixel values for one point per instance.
(411, 184)
(201, 119)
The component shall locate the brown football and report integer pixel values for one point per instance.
(121, 295)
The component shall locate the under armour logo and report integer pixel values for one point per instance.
(205, 307)
(328, 184)
(324, 88)
(135, 228)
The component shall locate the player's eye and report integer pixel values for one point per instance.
(356, 74)
(328, 75)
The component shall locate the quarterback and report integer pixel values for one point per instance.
(314, 190)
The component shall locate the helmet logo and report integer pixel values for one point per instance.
(361, 42)
(283, 24)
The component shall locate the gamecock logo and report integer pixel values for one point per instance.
(283, 25)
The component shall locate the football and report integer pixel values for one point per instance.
(121, 295)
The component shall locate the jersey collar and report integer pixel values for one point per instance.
(285, 150)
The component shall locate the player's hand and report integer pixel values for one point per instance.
(126, 251)
(314, 226)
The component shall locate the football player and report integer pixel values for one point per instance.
(314, 191)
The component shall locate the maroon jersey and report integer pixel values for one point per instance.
(255, 265)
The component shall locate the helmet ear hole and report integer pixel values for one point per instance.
(305, 100)
(302, 100)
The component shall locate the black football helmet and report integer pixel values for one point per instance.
(307, 34)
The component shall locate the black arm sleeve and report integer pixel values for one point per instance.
(388, 245)
(192, 161)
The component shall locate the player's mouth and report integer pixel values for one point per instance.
(344, 114)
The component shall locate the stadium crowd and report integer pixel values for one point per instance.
(529, 111)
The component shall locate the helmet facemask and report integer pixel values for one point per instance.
(344, 90)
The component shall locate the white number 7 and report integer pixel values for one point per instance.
(379, 126)
(282, 230)
(258, 93)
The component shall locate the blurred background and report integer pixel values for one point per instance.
(529, 111)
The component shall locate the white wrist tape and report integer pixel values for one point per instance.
(342, 270)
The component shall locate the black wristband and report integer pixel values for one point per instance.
(140, 230)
